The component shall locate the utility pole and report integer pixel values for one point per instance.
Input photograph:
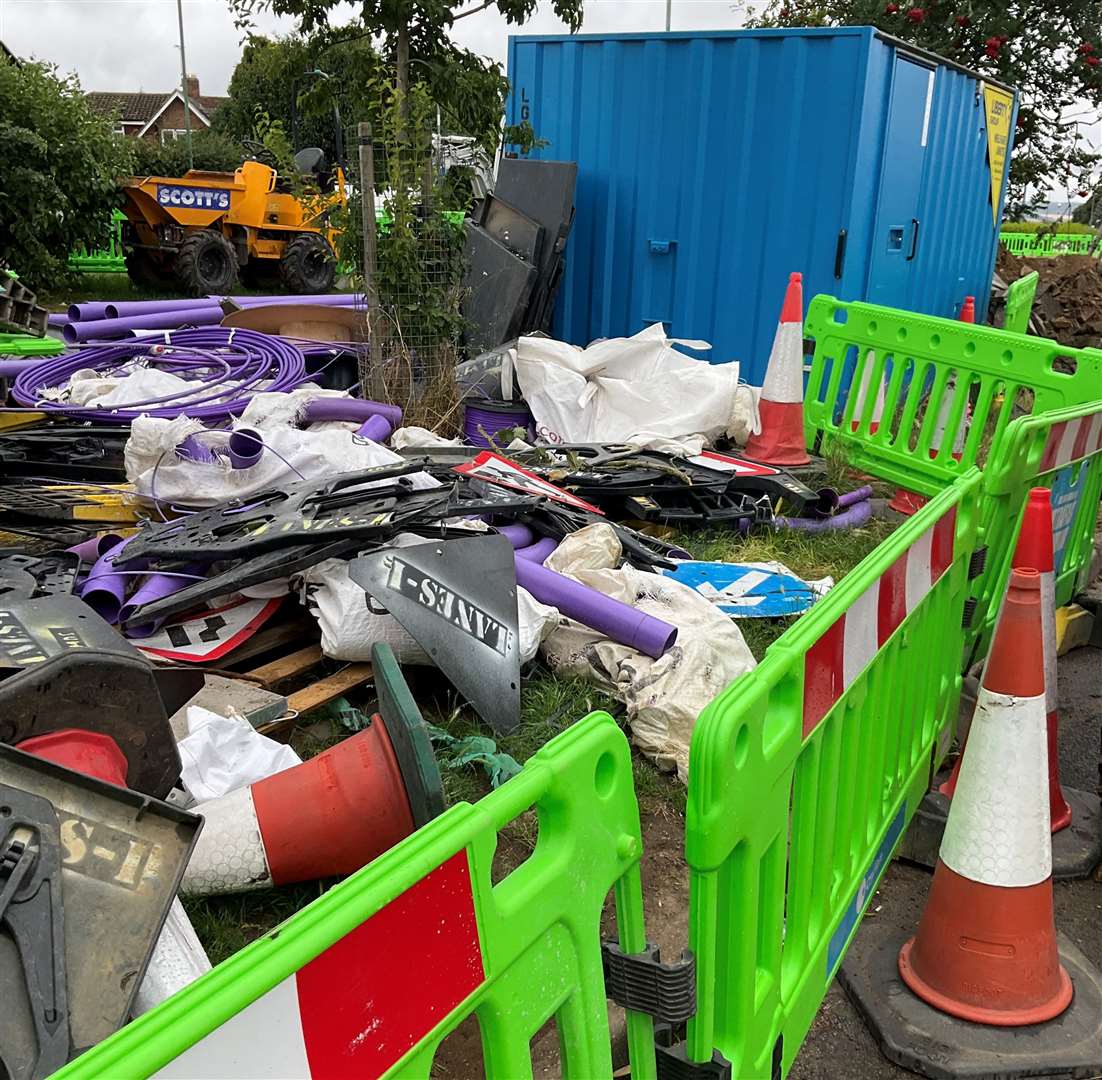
(669, 14)
(183, 84)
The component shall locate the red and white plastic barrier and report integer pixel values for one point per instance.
(846, 649)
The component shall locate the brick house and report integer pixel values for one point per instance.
(156, 116)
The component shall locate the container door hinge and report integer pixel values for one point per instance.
(977, 563)
(643, 983)
(968, 613)
(674, 1064)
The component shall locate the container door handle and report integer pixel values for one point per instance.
(840, 254)
(914, 238)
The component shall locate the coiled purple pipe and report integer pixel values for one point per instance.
(856, 515)
(491, 417)
(244, 360)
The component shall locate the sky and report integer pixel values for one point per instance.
(133, 44)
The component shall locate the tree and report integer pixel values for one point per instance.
(1051, 52)
(273, 75)
(1090, 211)
(211, 150)
(58, 172)
(469, 89)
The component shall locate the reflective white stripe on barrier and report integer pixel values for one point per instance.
(262, 1041)
(998, 827)
(1072, 439)
(833, 663)
(359, 1006)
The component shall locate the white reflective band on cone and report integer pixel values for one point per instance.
(998, 827)
(229, 854)
(784, 377)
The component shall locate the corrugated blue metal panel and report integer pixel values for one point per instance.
(713, 164)
(957, 252)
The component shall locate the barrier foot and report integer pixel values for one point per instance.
(1076, 850)
(934, 1044)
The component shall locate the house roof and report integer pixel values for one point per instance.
(141, 108)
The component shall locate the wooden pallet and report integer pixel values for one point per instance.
(292, 668)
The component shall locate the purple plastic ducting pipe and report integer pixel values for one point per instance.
(129, 309)
(57, 319)
(856, 515)
(108, 329)
(520, 536)
(94, 547)
(155, 587)
(375, 428)
(348, 409)
(96, 309)
(323, 299)
(852, 498)
(11, 366)
(592, 608)
(104, 588)
(246, 447)
(538, 551)
(125, 309)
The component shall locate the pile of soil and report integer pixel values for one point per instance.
(1068, 305)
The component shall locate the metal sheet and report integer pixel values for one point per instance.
(62, 666)
(458, 600)
(712, 164)
(122, 857)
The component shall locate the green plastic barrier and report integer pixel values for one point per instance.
(1019, 303)
(109, 261)
(368, 980)
(803, 775)
(1048, 245)
(1060, 450)
(938, 372)
(29, 345)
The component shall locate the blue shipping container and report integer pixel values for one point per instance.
(712, 164)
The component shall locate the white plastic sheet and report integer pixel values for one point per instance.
(637, 390)
(291, 453)
(223, 753)
(665, 696)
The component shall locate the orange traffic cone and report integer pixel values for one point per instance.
(908, 502)
(781, 408)
(328, 816)
(1035, 549)
(985, 950)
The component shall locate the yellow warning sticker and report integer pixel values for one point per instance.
(999, 106)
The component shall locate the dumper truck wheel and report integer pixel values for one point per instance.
(206, 263)
(143, 271)
(308, 265)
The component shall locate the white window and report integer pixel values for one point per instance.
(172, 134)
